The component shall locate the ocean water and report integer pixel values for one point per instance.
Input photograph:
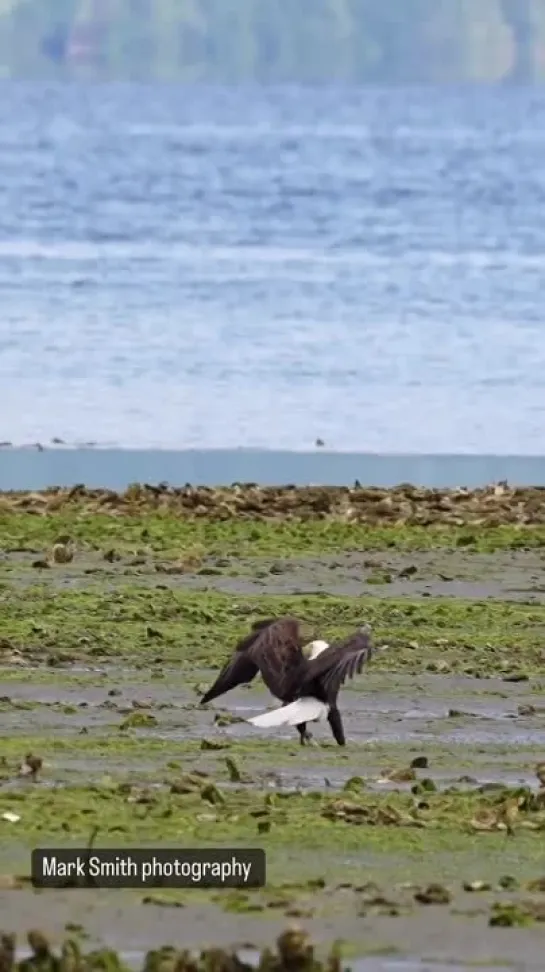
(117, 468)
(203, 268)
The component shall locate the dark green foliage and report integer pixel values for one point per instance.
(309, 41)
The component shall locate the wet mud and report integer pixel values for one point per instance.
(476, 946)
(469, 724)
(477, 734)
(513, 575)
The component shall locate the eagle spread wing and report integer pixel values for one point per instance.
(272, 647)
(277, 651)
(237, 671)
(340, 661)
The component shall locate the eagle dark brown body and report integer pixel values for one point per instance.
(274, 647)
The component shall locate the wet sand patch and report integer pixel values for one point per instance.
(516, 575)
(410, 717)
(393, 944)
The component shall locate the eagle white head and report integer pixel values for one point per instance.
(314, 648)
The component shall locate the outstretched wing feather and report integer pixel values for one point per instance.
(237, 671)
(340, 661)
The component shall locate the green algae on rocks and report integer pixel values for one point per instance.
(196, 629)
(197, 521)
(499, 503)
(209, 814)
(317, 844)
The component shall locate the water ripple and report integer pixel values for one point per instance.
(263, 267)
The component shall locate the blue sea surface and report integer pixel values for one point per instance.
(206, 268)
(118, 468)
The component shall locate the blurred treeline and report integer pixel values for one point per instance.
(275, 40)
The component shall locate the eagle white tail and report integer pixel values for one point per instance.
(306, 709)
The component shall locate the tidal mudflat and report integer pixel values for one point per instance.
(423, 838)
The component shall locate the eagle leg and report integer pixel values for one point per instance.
(336, 725)
(304, 734)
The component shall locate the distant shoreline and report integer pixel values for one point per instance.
(404, 506)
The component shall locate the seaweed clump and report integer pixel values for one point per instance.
(491, 505)
(294, 953)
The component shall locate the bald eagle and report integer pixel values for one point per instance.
(306, 678)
